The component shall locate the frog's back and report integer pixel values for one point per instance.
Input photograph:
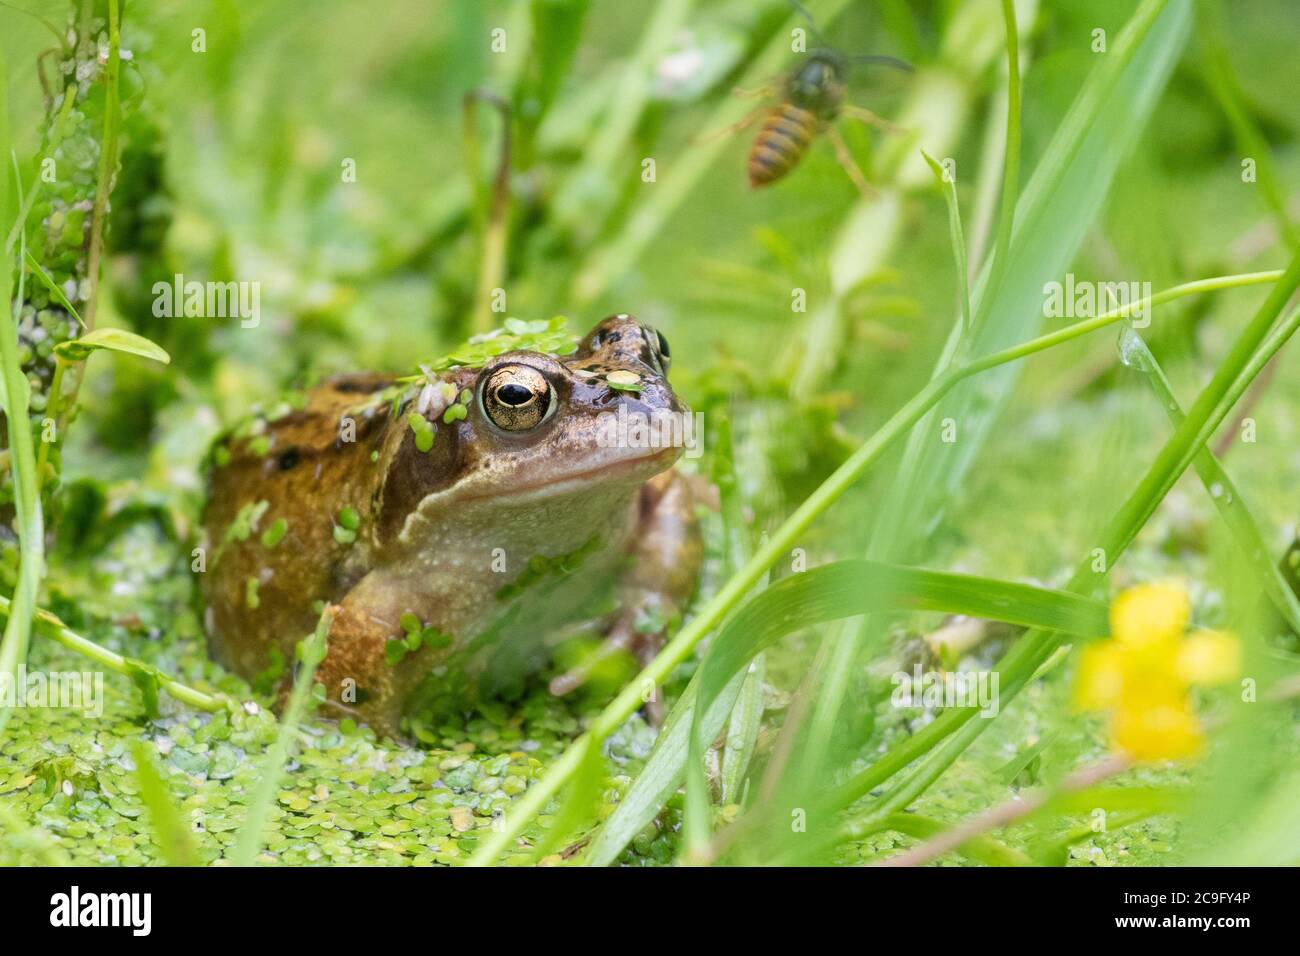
(275, 541)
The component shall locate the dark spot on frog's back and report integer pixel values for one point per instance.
(364, 384)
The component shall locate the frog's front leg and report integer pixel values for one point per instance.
(358, 678)
(667, 552)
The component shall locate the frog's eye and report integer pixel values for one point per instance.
(517, 398)
(659, 347)
(664, 355)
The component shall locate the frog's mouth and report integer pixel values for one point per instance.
(625, 469)
(630, 468)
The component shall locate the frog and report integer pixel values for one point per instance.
(482, 504)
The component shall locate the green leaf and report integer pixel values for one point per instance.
(52, 286)
(833, 591)
(114, 340)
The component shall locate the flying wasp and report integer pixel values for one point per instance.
(811, 100)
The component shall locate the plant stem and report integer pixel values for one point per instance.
(56, 630)
(104, 186)
(948, 185)
(53, 411)
(1007, 813)
(1010, 162)
(1225, 497)
(34, 188)
(27, 501)
(784, 537)
(492, 217)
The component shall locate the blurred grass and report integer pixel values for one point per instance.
(368, 274)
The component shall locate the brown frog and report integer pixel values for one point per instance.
(475, 505)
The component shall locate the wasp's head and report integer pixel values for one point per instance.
(818, 84)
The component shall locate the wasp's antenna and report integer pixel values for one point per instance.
(893, 61)
(812, 24)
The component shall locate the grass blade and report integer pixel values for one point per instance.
(1222, 490)
(833, 591)
(170, 831)
(311, 651)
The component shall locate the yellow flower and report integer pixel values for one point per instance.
(1143, 674)
(1150, 614)
(1209, 657)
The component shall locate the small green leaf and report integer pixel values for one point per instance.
(53, 286)
(432, 637)
(423, 431)
(275, 534)
(114, 340)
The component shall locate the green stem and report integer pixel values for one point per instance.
(27, 502)
(948, 184)
(1223, 491)
(60, 633)
(53, 411)
(779, 544)
(108, 156)
(984, 849)
(1010, 162)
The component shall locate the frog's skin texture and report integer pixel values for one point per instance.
(446, 534)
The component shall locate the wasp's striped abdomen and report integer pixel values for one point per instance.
(786, 135)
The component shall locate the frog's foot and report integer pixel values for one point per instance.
(666, 560)
(359, 680)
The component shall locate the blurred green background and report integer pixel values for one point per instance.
(234, 169)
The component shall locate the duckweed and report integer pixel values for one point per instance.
(275, 533)
(424, 431)
(349, 518)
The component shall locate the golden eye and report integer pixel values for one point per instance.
(517, 398)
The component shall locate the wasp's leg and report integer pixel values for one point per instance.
(739, 126)
(846, 160)
(872, 119)
(767, 89)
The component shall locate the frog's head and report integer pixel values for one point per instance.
(542, 428)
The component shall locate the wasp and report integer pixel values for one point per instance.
(811, 100)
